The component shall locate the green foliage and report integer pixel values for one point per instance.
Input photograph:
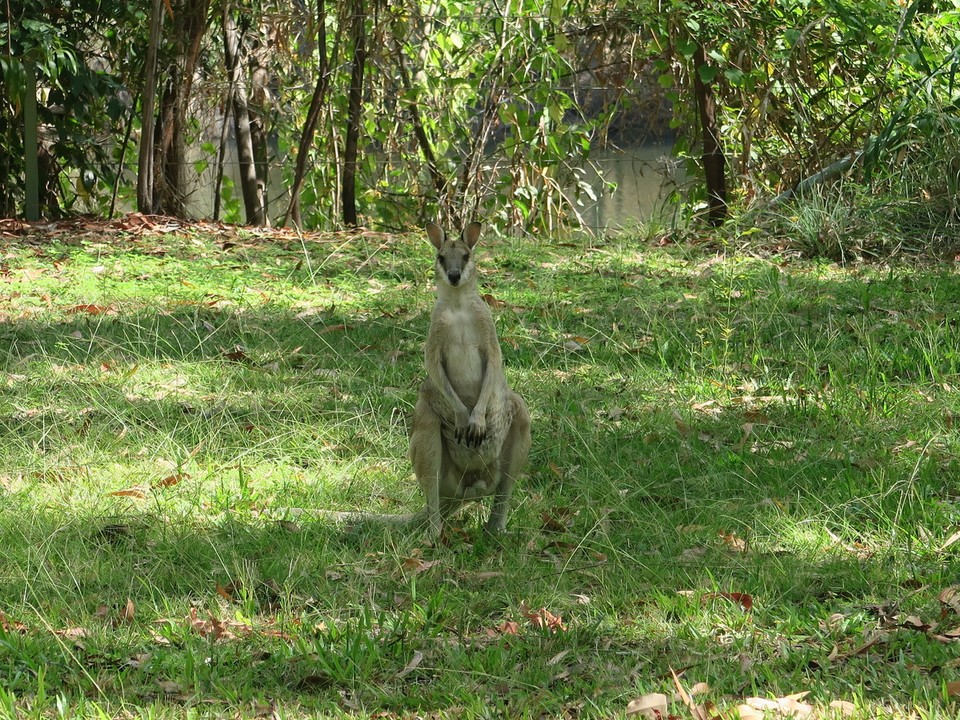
(79, 51)
(804, 83)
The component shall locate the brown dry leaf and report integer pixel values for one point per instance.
(126, 614)
(492, 301)
(950, 541)
(953, 688)
(331, 328)
(745, 712)
(912, 622)
(558, 519)
(543, 618)
(733, 541)
(844, 708)
(171, 480)
(507, 627)
(134, 492)
(11, 625)
(212, 626)
(950, 600)
(226, 592)
(651, 705)
(88, 309)
(417, 565)
(73, 633)
(698, 712)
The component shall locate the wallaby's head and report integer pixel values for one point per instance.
(455, 264)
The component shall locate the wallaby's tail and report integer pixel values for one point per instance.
(394, 520)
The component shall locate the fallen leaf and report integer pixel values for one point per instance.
(950, 541)
(651, 705)
(743, 599)
(126, 615)
(789, 706)
(412, 665)
(543, 618)
(331, 328)
(698, 712)
(88, 309)
(953, 688)
(844, 708)
(134, 492)
(417, 565)
(171, 480)
(745, 712)
(732, 541)
(950, 600)
(507, 627)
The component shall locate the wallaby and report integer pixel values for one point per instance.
(471, 433)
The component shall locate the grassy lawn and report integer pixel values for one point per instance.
(744, 470)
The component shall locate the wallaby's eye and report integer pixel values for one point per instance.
(440, 259)
(466, 257)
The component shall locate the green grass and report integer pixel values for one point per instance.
(703, 425)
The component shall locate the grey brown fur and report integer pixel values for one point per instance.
(471, 432)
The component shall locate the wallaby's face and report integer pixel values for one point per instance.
(455, 265)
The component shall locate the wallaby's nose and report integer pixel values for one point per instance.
(453, 276)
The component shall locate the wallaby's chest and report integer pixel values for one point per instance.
(463, 330)
(464, 350)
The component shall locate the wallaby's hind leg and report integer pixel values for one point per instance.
(426, 456)
(513, 457)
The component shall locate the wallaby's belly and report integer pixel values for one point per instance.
(462, 358)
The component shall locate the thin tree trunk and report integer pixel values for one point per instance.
(439, 181)
(313, 116)
(190, 20)
(257, 109)
(222, 150)
(123, 156)
(348, 191)
(31, 147)
(249, 184)
(145, 166)
(714, 161)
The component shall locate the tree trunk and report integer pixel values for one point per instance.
(439, 181)
(249, 183)
(713, 159)
(313, 115)
(31, 147)
(145, 167)
(190, 20)
(257, 108)
(348, 191)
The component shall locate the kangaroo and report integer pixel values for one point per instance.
(471, 433)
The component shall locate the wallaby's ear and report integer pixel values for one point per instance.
(435, 233)
(471, 233)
